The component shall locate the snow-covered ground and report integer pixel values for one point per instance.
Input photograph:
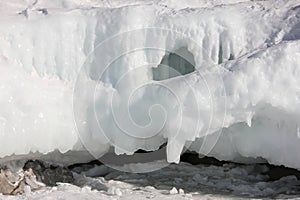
(182, 181)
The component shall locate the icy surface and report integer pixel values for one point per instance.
(68, 67)
(182, 181)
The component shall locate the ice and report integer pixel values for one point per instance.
(177, 181)
(88, 75)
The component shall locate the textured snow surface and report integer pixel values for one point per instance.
(182, 181)
(78, 75)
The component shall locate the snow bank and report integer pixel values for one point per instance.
(78, 75)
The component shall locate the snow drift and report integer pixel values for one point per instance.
(219, 78)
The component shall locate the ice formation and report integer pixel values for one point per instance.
(81, 75)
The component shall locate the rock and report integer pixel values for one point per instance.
(11, 183)
(19, 189)
(30, 180)
(49, 174)
(16, 183)
(27, 189)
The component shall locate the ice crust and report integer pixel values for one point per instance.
(77, 77)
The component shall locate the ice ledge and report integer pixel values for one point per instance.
(255, 97)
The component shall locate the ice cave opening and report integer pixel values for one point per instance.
(176, 63)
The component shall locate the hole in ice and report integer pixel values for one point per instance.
(179, 62)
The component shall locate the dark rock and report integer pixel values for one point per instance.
(49, 174)
(194, 159)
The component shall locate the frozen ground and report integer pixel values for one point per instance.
(183, 181)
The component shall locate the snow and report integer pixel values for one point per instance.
(174, 191)
(78, 75)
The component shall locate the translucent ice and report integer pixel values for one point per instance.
(217, 77)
